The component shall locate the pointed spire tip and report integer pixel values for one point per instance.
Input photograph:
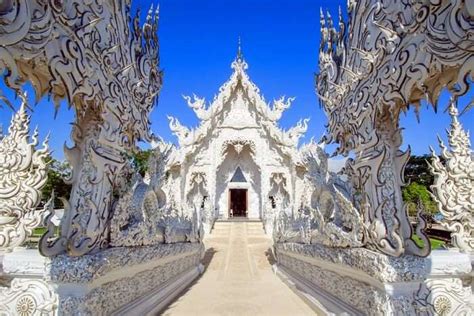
(239, 49)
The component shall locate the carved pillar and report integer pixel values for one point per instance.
(377, 172)
(74, 50)
(95, 164)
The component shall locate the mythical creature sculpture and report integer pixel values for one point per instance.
(23, 173)
(198, 200)
(326, 216)
(278, 201)
(199, 107)
(453, 187)
(279, 106)
(75, 50)
(292, 228)
(390, 55)
(144, 216)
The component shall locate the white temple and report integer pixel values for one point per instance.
(129, 245)
(238, 158)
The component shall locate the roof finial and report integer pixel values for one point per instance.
(239, 50)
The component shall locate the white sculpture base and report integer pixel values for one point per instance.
(360, 281)
(139, 280)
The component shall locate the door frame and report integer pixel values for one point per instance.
(229, 201)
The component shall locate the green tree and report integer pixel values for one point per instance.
(414, 192)
(58, 171)
(416, 170)
(140, 160)
(419, 177)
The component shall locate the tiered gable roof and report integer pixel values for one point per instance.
(214, 115)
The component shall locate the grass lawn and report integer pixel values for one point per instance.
(39, 231)
(435, 243)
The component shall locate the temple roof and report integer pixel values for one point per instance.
(239, 86)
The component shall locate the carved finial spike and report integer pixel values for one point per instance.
(150, 13)
(341, 22)
(433, 152)
(46, 140)
(239, 49)
(330, 22)
(323, 30)
(156, 18)
(453, 110)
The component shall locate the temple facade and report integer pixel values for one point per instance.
(237, 162)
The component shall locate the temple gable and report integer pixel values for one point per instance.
(238, 149)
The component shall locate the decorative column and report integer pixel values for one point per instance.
(74, 51)
(383, 62)
(377, 176)
(95, 162)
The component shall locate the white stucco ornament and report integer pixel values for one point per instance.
(326, 215)
(453, 187)
(144, 216)
(75, 50)
(23, 173)
(237, 145)
(388, 57)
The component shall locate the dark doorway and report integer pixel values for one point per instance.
(238, 202)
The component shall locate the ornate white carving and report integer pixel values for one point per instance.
(238, 129)
(27, 297)
(292, 136)
(374, 283)
(153, 268)
(238, 143)
(326, 216)
(198, 199)
(453, 186)
(23, 173)
(385, 58)
(75, 50)
(447, 296)
(241, 95)
(143, 214)
(199, 107)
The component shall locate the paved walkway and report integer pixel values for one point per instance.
(238, 279)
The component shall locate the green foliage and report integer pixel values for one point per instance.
(414, 192)
(140, 160)
(417, 170)
(417, 173)
(57, 172)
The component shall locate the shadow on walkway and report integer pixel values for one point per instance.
(206, 260)
(270, 257)
(208, 255)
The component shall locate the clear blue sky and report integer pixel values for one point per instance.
(280, 41)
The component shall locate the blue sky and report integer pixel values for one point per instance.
(280, 42)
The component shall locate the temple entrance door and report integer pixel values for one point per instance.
(238, 203)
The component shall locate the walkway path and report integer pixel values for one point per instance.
(238, 279)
